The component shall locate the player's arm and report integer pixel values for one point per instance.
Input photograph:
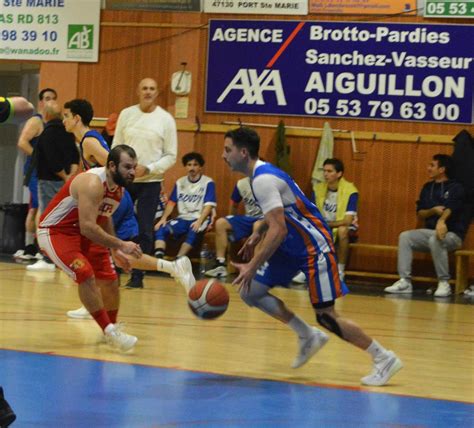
(205, 213)
(89, 192)
(21, 109)
(276, 231)
(168, 211)
(346, 221)
(275, 234)
(92, 148)
(33, 127)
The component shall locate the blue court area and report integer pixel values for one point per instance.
(55, 391)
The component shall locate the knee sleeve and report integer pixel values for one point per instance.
(257, 292)
(329, 323)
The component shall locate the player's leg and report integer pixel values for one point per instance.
(342, 249)
(190, 241)
(439, 253)
(161, 235)
(408, 242)
(66, 252)
(223, 227)
(325, 287)
(181, 269)
(279, 270)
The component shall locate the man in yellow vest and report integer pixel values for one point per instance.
(337, 200)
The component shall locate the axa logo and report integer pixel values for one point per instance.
(253, 86)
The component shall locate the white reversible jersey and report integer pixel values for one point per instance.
(243, 192)
(192, 196)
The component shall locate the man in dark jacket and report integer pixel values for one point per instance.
(57, 158)
(440, 207)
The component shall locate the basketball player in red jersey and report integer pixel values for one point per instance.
(76, 232)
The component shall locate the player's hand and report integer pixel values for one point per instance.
(196, 226)
(121, 260)
(132, 249)
(162, 222)
(141, 170)
(441, 230)
(438, 210)
(244, 279)
(247, 250)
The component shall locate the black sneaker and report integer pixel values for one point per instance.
(7, 416)
(29, 253)
(159, 254)
(134, 283)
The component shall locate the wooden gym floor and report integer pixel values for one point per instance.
(231, 372)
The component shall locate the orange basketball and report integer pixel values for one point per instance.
(208, 299)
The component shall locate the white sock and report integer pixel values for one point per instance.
(301, 328)
(221, 260)
(341, 267)
(376, 350)
(29, 238)
(165, 266)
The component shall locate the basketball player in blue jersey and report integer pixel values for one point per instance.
(295, 237)
(26, 143)
(194, 195)
(13, 110)
(93, 148)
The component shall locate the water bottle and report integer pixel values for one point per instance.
(203, 256)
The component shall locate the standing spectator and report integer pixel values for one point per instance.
(235, 227)
(194, 195)
(26, 143)
(440, 207)
(151, 131)
(58, 159)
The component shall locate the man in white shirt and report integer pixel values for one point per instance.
(151, 132)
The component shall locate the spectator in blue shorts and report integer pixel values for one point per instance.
(235, 227)
(194, 196)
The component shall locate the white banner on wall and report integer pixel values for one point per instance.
(50, 30)
(274, 7)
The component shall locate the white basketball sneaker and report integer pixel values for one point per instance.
(300, 278)
(443, 289)
(384, 369)
(79, 314)
(217, 272)
(402, 286)
(41, 266)
(119, 340)
(183, 272)
(308, 346)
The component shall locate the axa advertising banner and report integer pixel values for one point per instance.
(415, 72)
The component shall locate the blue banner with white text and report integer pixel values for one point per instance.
(414, 72)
